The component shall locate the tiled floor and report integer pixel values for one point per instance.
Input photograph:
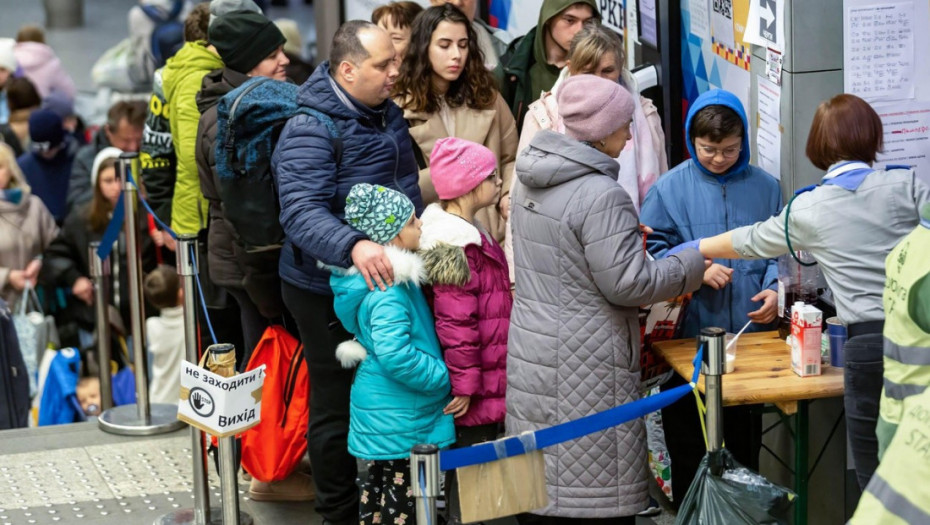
(79, 474)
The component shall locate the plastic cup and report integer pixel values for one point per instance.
(836, 331)
(731, 352)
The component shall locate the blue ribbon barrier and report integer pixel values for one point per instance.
(530, 441)
(112, 232)
(116, 224)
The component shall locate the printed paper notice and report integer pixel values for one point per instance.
(907, 135)
(648, 22)
(765, 25)
(878, 52)
(768, 131)
(700, 19)
(722, 22)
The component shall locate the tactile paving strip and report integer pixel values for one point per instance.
(125, 483)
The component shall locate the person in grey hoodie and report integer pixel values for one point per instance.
(581, 275)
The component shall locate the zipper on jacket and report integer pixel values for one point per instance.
(729, 286)
(396, 159)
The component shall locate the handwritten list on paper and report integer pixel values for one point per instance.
(879, 51)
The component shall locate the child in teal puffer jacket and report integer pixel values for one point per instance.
(402, 384)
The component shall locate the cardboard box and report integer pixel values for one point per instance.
(806, 334)
(505, 487)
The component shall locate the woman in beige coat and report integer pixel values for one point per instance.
(445, 91)
(26, 229)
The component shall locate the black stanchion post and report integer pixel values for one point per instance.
(147, 419)
(713, 340)
(100, 273)
(424, 476)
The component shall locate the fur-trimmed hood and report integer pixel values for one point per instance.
(350, 290)
(442, 245)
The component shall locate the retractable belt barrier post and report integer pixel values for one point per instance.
(713, 339)
(222, 361)
(424, 477)
(426, 461)
(202, 513)
(100, 273)
(140, 419)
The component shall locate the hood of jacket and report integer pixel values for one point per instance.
(548, 11)
(443, 239)
(721, 98)
(553, 158)
(349, 288)
(215, 85)
(440, 226)
(193, 57)
(30, 55)
(322, 93)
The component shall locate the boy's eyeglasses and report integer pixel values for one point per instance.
(492, 176)
(728, 153)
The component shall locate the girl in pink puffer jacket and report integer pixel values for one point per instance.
(470, 291)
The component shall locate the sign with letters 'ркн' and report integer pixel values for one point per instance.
(220, 406)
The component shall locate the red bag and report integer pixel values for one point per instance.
(272, 449)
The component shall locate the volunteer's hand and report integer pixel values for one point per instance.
(717, 276)
(373, 264)
(458, 406)
(83, 289)
(646, 229)
(505, 207)
(766, 313)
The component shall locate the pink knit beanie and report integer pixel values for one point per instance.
(592, 107)
(458, 166)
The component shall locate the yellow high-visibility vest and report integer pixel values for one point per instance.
(907, 341)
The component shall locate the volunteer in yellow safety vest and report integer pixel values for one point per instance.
(899, 491)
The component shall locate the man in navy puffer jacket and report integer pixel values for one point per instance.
(352, 89)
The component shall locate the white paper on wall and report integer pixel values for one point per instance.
(878, 51)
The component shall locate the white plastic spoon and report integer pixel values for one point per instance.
(737, 335)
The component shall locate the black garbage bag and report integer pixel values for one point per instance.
(726, 493)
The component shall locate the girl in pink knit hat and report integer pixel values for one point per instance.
(470, 291)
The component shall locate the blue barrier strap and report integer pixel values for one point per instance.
(517, 445)
(112, 232)
(148, 208)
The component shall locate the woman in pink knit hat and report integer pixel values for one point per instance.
(470, 291)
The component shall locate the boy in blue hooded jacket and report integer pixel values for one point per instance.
(402, 384)
(715, 191)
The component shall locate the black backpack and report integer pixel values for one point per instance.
(168, 34)
(249, 120)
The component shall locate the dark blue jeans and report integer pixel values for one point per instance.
(863, 388)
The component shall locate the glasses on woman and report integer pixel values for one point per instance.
(728, 153)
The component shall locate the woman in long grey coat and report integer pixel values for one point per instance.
(581, 274)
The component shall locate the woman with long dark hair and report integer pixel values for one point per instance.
(459, 99)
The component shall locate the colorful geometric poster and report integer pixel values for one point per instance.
(707, 63)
